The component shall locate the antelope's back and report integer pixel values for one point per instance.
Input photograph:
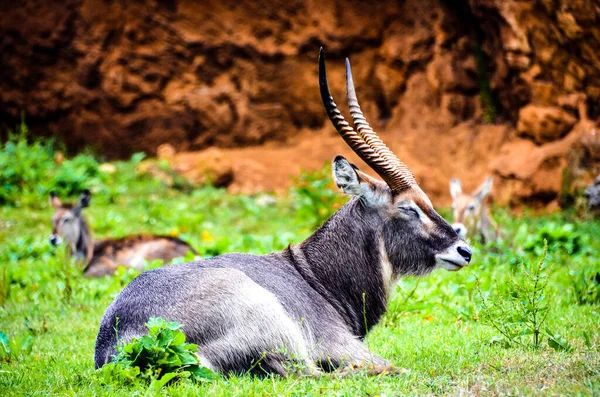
(133, 251)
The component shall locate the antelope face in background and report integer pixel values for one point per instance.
(470, 212)
(104, 256)
(413, 237)
(67, 221)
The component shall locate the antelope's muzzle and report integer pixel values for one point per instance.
(454, 257)
(55, 239)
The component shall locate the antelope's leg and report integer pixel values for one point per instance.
(251, 354)
(345, 351)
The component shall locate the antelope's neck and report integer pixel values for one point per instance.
(83, 248)
(342, 261)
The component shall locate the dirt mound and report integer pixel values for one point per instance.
(130, 76)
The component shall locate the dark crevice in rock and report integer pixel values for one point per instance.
(485, 64)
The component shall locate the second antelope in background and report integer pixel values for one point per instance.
(471, 215)
(104, 256)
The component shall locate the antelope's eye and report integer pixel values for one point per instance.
(411, 211)
(64, 220)
(471, 207)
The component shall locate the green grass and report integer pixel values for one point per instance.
(434, 328)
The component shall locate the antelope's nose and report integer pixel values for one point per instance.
(54, 240)
(465, 252)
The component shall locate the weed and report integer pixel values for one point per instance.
(77, 174)
(557, 342)
(159, 357)
(523, 312)
(561, 237)
(15, 347)
(585, 285)
(24, 167)
(29, 171)
(35, 327)
(28, 168)
(69, 274)
(406, 301)
(4, 285)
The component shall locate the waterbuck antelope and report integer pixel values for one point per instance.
(102, 257)
(312, 303)
(471, 215)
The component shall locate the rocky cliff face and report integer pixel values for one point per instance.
(458, 87)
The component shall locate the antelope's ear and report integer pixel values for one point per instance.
(54, 201)
(346, 177)
(455, 188)
(84, 201)
(484, 189)
(354, 182)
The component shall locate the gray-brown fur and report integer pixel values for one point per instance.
(471, 214)
(102, 257)
(312, 303)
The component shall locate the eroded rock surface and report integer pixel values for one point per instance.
(130, 76)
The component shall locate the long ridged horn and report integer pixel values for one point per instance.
(400, 175)
(355, 141)
(393, 172)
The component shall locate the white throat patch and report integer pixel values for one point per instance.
(387, 271)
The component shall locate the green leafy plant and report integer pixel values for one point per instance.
(15, 347)
(520, 316)
(557, 342)
(24, 247)
(77, 174)
(24, 166)
(28, 168)
(585, 285)
(560, 237)
(159, 357)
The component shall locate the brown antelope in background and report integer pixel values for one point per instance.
(312, 303)
(471, 215)
(103, 257)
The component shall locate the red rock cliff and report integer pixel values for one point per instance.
(431, 75)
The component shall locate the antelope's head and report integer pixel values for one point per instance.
(412, 234)
(67, 222)
(468, 208)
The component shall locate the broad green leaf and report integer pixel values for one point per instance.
(178, 338)
(158, 384)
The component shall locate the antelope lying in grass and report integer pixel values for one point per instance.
(471, 215)
(102, 257)
(312, 303)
